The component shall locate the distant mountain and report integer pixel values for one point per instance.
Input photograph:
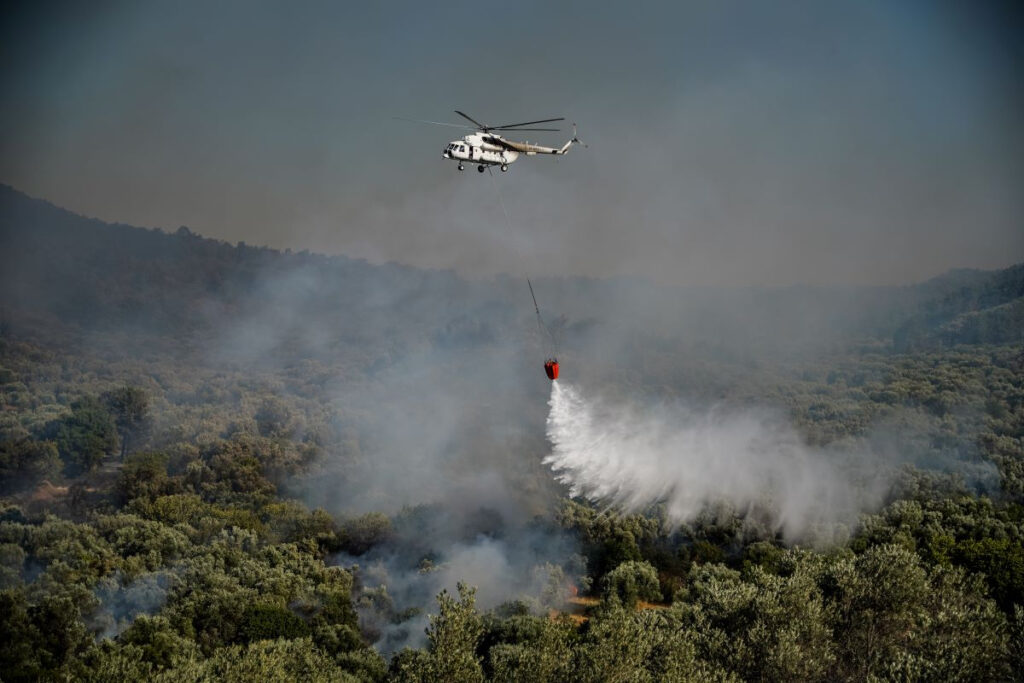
(189, 290)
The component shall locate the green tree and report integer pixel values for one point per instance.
(454, 634)
(158, 642)
(895, 619)
(143, 475)
(362, 533)
(1016, 645)
(62, 634)
(19, 639)
(274, 418)
(109, 662)
(85, 436)
(266, 661)
(1001, 560)
(759, 626)
(630, 582)
(646, 646)
(410, 666)
(530, 649)
(130, 408)
(270, 622)
(24, 462)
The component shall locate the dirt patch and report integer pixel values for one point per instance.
(47, 493)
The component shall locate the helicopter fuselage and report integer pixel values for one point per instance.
(477, 149)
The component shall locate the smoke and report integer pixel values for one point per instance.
(397, 584)
(691, 459)
(121, 603)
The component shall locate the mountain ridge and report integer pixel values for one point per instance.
(99, 275)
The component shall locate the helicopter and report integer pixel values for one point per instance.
(486, 148)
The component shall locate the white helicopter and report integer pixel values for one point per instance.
(486, 148)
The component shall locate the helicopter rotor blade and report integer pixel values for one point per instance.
(513, 130)
(526, 123)
(470, 118)
(436, 123)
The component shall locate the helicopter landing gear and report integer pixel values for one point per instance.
(461, 167)
(504, 167)
(480, 168)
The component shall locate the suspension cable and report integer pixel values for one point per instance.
(544, 329)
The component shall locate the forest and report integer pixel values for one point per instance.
(228, 462)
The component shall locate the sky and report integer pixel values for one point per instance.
(730, 143)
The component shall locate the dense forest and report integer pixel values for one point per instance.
(228, 462)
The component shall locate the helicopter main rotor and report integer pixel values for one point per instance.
(509, 126)
(512, 127)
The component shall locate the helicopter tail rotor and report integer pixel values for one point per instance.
(576, 139)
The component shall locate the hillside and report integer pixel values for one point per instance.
(97, 276)
(226, 461)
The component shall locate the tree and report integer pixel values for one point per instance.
(85, 436)
(360, 534)
(409, 666)
(530, 649)
(269, 622)
(896, 620)
(274, 418)
(25, 462)
(630, 582)
(109, 661)
(1016, 645)
(61, 631)
(1002, 562)
(757, 625)
(130, 408)
(454, 634)
(645, 646)
(267, 661)
(143, 474)
(158, 642)
(19, 638)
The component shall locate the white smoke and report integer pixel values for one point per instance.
(120, 603)
(690, 460)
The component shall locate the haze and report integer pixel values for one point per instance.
(730, 143)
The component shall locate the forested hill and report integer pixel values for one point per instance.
(111, 277)
(225, 462)
(101, 275)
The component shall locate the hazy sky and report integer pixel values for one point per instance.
(730, 143)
